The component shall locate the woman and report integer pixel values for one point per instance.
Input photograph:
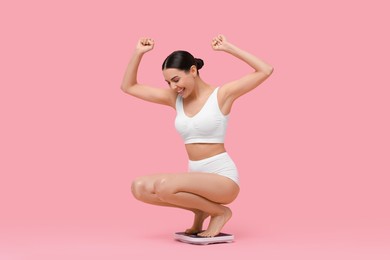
(202, 115)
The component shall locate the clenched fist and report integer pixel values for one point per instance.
(220, 43)
(144, 45)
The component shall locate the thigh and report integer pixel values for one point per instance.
(211, 186)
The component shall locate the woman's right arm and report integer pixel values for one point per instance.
(131, 86)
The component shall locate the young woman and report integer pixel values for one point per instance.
(202, 116)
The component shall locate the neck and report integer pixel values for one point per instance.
(200, 89)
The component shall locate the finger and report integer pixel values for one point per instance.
(145, 41)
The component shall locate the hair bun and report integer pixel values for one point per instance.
(199, 63)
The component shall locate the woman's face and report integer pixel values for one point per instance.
(180, 81)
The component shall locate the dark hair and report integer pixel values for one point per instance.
(182, 60)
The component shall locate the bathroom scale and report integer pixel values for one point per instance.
(194, 239)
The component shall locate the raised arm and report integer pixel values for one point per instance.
(131, 86)
(232, 90)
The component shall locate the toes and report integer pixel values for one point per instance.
(205, 234)
(201, 234)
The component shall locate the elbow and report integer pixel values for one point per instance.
(126, 88)
(265, 72)
(269, 71)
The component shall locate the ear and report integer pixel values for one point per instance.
(194, 71)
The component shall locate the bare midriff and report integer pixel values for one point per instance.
(199, 151)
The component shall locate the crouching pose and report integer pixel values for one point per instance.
(212, 180)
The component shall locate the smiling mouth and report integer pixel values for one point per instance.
(180, 91)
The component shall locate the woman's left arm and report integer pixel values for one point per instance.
(237, 88)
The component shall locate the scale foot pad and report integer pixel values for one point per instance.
(194, 239)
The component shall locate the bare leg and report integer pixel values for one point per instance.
(220, 215)
(203, 191)
(143, 189)
(199, 219)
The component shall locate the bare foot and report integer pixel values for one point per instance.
(200, 217)
(216, 224)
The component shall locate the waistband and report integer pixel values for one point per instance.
(212, 158)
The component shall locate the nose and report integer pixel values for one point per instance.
(173, 86)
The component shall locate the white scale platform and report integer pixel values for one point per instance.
(194, 239)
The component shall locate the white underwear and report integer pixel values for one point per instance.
(220, 164)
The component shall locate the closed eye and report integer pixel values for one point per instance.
(175, 79)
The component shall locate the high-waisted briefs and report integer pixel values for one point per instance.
(220, 164)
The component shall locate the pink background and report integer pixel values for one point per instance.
(312, 143)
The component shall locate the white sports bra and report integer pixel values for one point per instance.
(207, 126)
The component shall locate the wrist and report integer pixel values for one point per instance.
(137, 56)
(230, 48)
(139, 52)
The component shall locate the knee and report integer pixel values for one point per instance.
(138, 187)
(162, 189)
